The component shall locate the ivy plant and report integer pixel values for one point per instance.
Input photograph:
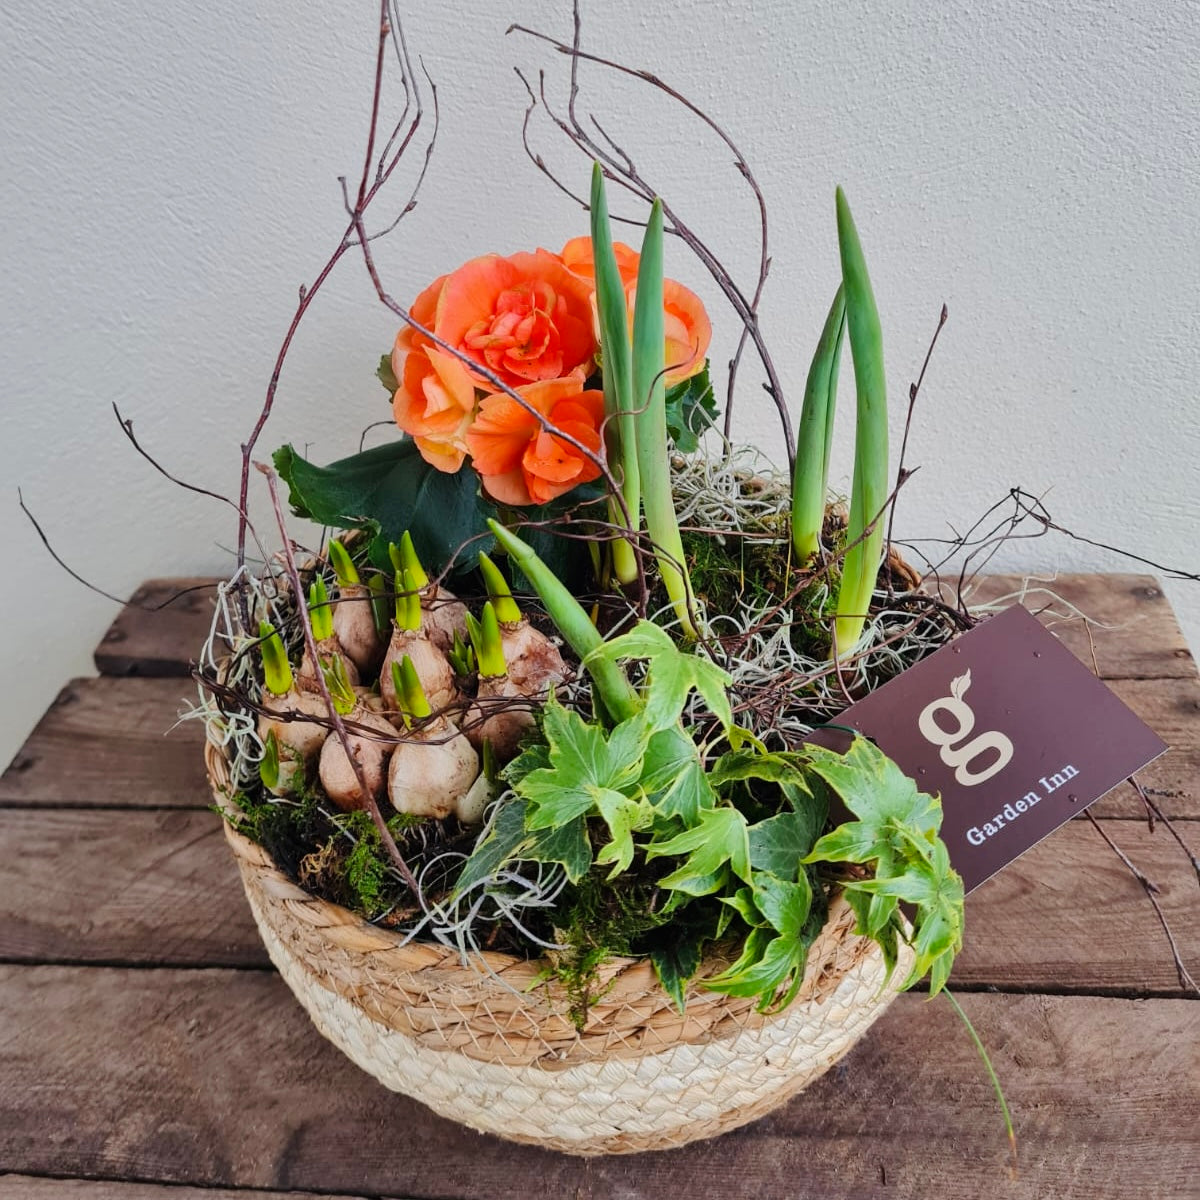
(727, 833)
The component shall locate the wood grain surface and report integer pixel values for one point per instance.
(180, 1076)
(160, 631)
(162, 890)
(148, 1051)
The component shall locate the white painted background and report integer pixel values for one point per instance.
(169, 179)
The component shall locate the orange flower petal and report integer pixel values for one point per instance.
(508, 488)
(688, 330)
(444, 456)
(436, 397)
(499, 434)
(578, 258)
(423, 309)
(525, 318)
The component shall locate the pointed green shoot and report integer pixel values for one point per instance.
(381, 609)
(869, 490)
(649, 393)
(338, 683)
(617, 353)
(416, 705)
(277, 671)
(500, 594)
(410, 562)
(319, 611)
(474, 633)
(810, 481)
(398, 687)
(489, 650)
(615, 691)
(408, 603)
(461, 655)
(268, 765)
(343, 566)
(491, 768)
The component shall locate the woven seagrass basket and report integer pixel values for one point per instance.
(489, 1043)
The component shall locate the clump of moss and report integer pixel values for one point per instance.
(602, 919)
(336, 855)
(732, 572)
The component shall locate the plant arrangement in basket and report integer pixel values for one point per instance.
(552, 697)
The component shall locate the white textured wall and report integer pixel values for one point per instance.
(170, 178)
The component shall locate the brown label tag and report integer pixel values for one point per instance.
(1013, 731)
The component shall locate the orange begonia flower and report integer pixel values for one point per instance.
(525, 318)
(519, 459)
(577, 257)
(434, 404)
(423, 311)
(688, 329)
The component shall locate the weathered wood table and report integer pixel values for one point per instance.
(149, 1051)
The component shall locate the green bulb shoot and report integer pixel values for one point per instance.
(408, 603)
(343, 566)
(810, 481)
(869, 490)
(500, 594)
(617, 351)
(277, 671)
(615, 691)
(338, 682)
(649, 392)
(319, 611)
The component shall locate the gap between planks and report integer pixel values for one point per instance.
(56, 1187)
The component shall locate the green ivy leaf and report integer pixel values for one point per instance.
(874, 788)
(897, 833)
(784, 904)
(673, 674)
(718, 838)
(691, 409)
(589, 771)
(936, 891)
(895, 818)
(508, 840)
(676, 962)
(781, 843)
(622, 816)
(742, 903)
(567, 845)
(674, 778)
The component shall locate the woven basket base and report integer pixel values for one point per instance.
(489, 1045)
(605, 1106)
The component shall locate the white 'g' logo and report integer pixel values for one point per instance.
(953, 752)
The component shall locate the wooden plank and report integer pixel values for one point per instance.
(160, 631)
(112, 742)
(125, 887)
(31, 1187)
(1068, 916)
(218, 1078)
(160, 889)
(1171, 707)
(1133, 629)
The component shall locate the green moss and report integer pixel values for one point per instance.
(602, 919)
(733, 572)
